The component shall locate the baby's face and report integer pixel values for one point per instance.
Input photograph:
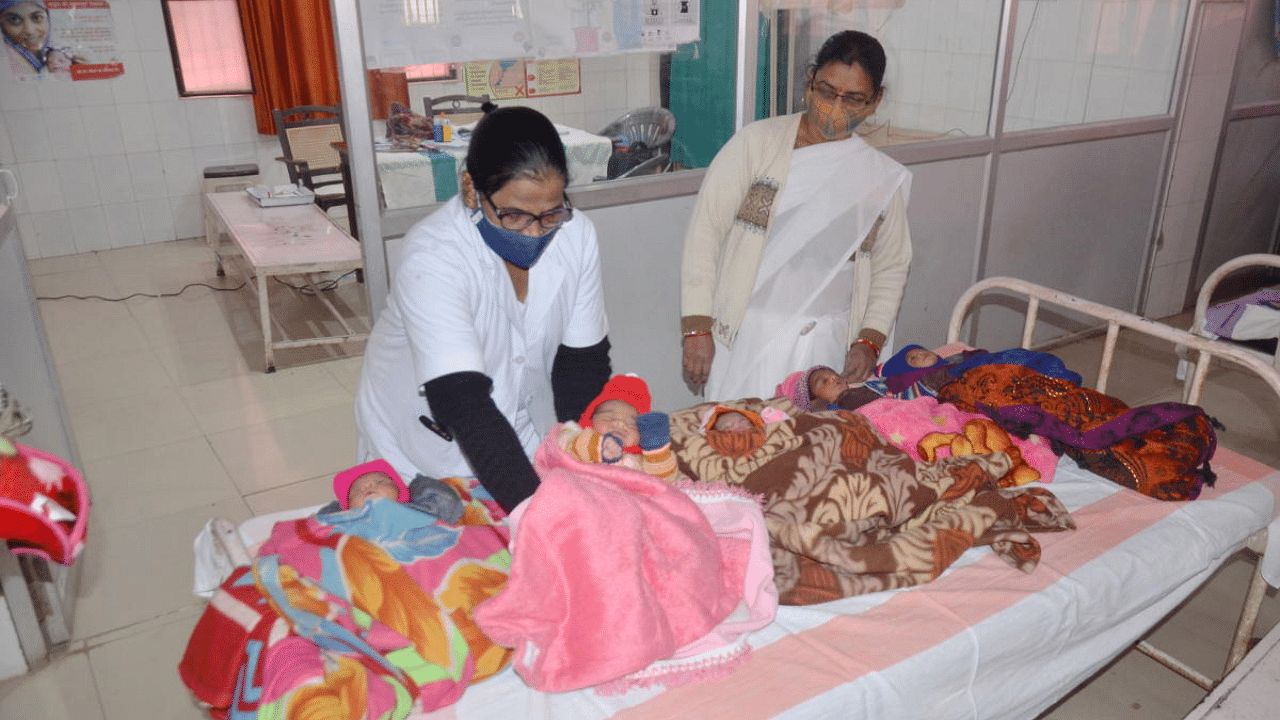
(619, 418)
(371, 485)
(826, 385)
(731, 422)
(921, 358)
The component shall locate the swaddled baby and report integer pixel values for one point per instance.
(737, 431)
(354, 487)
(619, 427)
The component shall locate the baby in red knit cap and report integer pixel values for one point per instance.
(619, 427)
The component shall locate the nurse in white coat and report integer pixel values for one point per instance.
(495, 327)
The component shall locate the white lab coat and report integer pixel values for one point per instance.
(452, 309)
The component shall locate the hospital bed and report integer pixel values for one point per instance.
(983, 640)
(1264, 321)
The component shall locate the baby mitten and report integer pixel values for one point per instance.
(655, 430)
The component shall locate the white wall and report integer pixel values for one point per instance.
(1196, 147)
(117, 162)
(1075, 60)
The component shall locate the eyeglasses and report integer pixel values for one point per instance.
(511, 219)
(852, 101)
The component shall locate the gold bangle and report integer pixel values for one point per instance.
(697, 333)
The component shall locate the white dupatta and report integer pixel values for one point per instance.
(807, 293)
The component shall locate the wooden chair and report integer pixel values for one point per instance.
(344, 167)
(460, 109)
(307, 134)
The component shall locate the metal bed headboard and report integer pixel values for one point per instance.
(1202, 350)
(1254, 261)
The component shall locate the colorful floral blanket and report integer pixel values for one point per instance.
(849, 513)
(367, 610)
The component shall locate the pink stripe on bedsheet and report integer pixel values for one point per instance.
(804, 665)
(1247, 467)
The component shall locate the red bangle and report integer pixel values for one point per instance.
(696, 333)
(874, 347)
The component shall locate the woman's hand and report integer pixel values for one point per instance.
(859, 363)
(698, 352)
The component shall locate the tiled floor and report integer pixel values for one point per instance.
(176, 423)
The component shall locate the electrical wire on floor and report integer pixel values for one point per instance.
(144, 294)
(302, 290)
(325, 287)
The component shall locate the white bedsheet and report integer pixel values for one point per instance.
(982, 641)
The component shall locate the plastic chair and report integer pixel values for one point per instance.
(307, 134)
(641, 142)
(460, 109)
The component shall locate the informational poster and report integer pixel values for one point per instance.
(64, 39)
(416, 32)
(554, 77)
(510, 79)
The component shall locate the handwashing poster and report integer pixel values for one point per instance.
(67, 39)
(510, 79)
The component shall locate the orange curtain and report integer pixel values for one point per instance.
(291, 55)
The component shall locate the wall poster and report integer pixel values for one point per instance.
(510, 79)
(67, 39)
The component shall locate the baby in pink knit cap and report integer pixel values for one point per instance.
(360, 484)
(821, 388)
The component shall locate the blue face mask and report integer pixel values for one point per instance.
(510, 245)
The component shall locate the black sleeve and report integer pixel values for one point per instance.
(577, 377)
(462, 403)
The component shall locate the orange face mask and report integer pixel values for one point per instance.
(831, 119)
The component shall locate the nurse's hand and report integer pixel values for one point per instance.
(859, 363)
(699, 350)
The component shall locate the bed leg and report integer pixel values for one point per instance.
(1249, 615)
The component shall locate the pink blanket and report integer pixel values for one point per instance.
(928, 430)
(615, 573)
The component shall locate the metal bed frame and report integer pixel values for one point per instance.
(1200, 352)
(1255, 260)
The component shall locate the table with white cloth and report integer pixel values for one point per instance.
(429, 175)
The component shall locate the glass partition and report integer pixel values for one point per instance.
(621, 115)
(1082, 61)
(941, 60)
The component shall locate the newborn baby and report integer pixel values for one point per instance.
(821, 388)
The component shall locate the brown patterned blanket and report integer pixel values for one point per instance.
(848, 513)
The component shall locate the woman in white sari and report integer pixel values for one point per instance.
(798, 249)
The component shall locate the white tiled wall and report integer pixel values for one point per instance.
(1201, 124)
(940, 59)
(1074, 60)
(116, 162)
(1092, 60)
